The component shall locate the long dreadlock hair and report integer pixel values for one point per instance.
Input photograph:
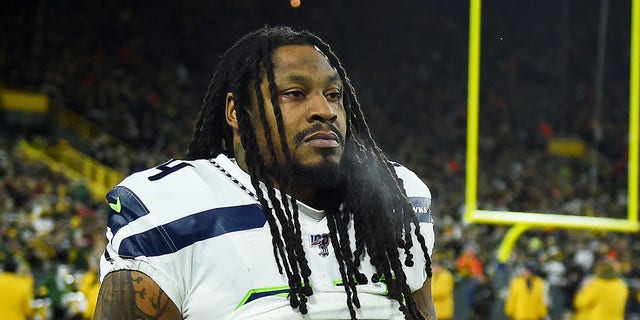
(374, 200)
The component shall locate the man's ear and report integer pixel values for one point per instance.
(230, 111)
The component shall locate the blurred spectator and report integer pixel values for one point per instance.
(482, 299)
(442, 290)
(630, 270)
(468, 264)
(90, 286)
(575, 275)
(526, 297)
(16, 292)
(584, 256)
(603, 296)
(57, 284)
(469, 269)
(554, 270)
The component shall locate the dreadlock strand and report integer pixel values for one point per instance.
(360, 234)
(294, 248)
(423, 246)
(347, 283)
(294, 279)
(409, 215)
(361, 222)
(389, 260)
(290, 257)
(292, 217)
(366, 209)
(281, 246)
(289, 202)
(284, 217)
(248, 138)
(405, 297)
(201, 122)
(273, 92)
(407, 239)
(354, 276)
(304, 265)
(255, 165)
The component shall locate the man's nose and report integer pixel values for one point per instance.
(320, 109)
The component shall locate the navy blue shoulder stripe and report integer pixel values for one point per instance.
(186, 231)
(125, 207)
(422, 208)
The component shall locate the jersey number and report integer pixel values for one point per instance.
(165, 169)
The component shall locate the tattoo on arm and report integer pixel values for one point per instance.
(431, 312)
(424, 299)
(133, 295)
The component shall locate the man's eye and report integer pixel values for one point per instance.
(293, 94)
(334, 95)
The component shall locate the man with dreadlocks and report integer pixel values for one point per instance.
(284, 209)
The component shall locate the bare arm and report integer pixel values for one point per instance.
(128, 294)
(425, 301)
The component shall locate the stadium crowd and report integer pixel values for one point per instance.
(142, 83)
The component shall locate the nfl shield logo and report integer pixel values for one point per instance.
(322, 242)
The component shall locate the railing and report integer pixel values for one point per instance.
(75, 165)
(82, 126)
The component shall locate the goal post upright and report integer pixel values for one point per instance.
(522, 221)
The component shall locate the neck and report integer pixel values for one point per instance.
(317, 198)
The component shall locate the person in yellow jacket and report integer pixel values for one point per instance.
(16, 292)
(603, 296)
(526, 298)
(90, 287)
(442, 291)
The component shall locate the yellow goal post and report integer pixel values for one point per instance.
(524, 220)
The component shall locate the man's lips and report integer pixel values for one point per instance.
(322, 139)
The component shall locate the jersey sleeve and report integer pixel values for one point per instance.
(420, 197)
(161, 218)
(143, 226)
(133, 242)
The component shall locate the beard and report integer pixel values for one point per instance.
(323, 174)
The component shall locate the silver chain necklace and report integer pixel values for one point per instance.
(232, 178)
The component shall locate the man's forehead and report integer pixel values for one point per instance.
(299, 56)
(322, 53)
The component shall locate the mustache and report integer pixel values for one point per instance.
(299, 136)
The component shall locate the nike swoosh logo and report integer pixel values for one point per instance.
(117, 207)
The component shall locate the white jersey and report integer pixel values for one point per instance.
(196, 228)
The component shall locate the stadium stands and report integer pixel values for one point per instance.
(135, 78)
